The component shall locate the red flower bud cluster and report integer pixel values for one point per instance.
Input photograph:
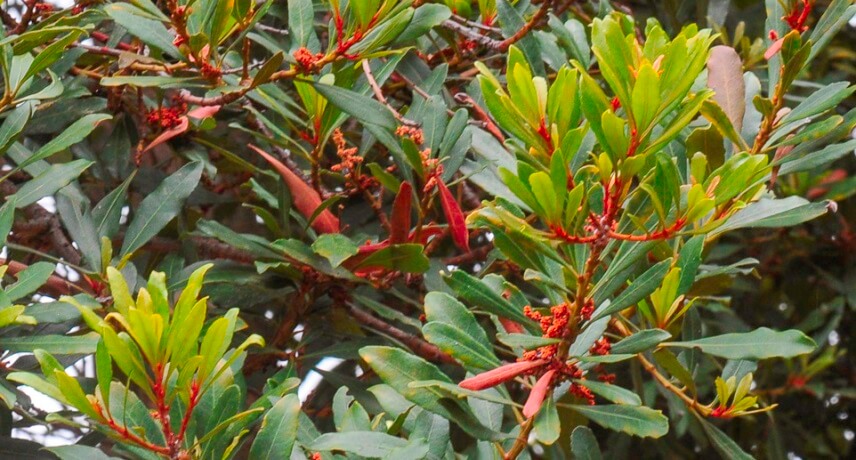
(796, 19)
(586, 310)
(415, 134)
(306, 60)
(350, 163)
(166, 117)
(720, 412)
(582, 392)
(601, 347)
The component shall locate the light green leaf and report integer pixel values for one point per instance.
(278, 431)
(138, 23)
(634, 420)
(783, 212)
(50, 181)
(53, 344)
(335, 247)
(762, 343)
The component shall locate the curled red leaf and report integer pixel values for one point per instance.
(306, 199)
(538, 393)
(455, 218)
(499, 375)
(400, 219)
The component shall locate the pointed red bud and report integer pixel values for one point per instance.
(455, 217)
(538, 393)
(499, 375)
(400, 220)
(305, 198)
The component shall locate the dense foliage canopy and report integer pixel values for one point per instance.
(492, 229)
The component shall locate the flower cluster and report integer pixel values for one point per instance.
(306, 60)
(166, 117)
(350, 163)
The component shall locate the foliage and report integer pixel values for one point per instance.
(511, 225)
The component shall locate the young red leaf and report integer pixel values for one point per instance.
(306, 199)
(511, 327)
(400, 220)
(538, 393)
(179, 129)
(499, 375)
(455, 217)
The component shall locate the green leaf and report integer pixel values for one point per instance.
(407, 258)
(634, 420)
(723, 443)
(638, 290)
(584, 444)
(301, 15)
(819, 101)
(30, 279)
(138, 23)
(363, 443)
(460, 345)
(72, 135)
(425, 18)
(53, 344)
(161, 206)
(14, 124)
(272, 65)
(278, 431)
(363, 108)
(762, 343)
(612, 393)
(7, 218)
(335, 247)
(474, 291)
(106, 215)
(640, 341)
(79, 452)
(399, 369)
(49, 55)
(50, 181)
(669, 361)
(776, 213)
(443, 308)
(525, 341)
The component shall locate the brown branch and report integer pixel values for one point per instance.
(56, 286)
(417, 345)
(533, 21)
(378, 92)
(54, 231)
(472, 34)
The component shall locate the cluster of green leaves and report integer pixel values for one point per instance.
(597, 159)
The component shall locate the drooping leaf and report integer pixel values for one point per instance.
(455, 218)
(634, 420)
(762, 343)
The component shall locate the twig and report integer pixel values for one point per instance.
(55, 286)
(419, 346)
(381, 98)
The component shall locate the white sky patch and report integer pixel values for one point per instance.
(313, 379)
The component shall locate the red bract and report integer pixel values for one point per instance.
(400, 220)
(179, 125)
(499, 375)
(538, 393)
(455, 217)
(306, 199)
